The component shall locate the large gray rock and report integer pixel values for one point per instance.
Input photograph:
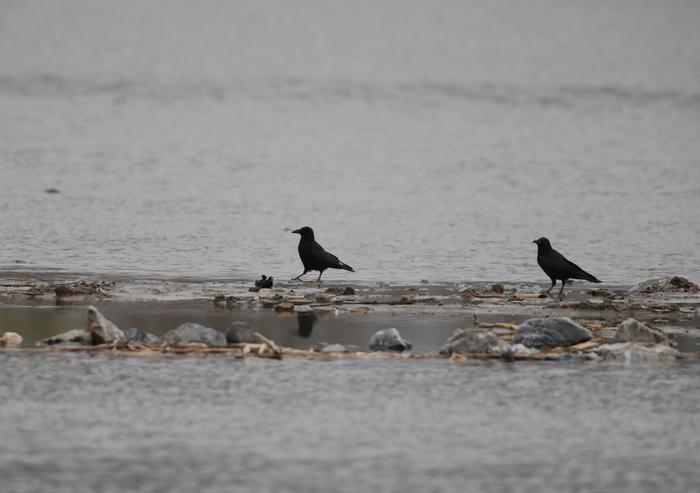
(73, 337)
(138, 335)
(240, 332)
(472, 341)
(103, 331)
(191, 332)
(636, 351)
(632, 330)
(551, 332)
(388, 340)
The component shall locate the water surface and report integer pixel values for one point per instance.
(419, 140)
(72, 423)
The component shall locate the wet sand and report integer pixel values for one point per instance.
(425, 313)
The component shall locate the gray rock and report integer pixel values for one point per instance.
(472, 341)
(388, 340)
(138, 335)
(191, 332)
(551, 332)
(103, 331)
(665, 285)
(632, 330)
(240, 332)
(73, 337)
(636, 351)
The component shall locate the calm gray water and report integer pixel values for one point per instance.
(420, 140)
(71, 423)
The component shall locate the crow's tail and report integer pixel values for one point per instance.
(588, 277)
(346, 267)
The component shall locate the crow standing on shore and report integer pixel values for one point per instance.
(556, 266)
(314, 257)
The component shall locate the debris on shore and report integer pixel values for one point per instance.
(666, 285)
(520, 324)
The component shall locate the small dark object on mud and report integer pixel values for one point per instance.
(314, 257)
(52, 190)
(497, 288)
(264, 282)
(349, 291)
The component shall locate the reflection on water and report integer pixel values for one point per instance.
(306, 322)
(215, 424)
(301, 330)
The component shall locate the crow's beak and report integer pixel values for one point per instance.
(296, 231)
(534, 241)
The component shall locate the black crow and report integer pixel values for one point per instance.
(556, 266)
(314, 257)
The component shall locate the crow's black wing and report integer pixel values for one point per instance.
(324, 259)
(557, 266)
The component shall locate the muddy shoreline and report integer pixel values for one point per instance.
(306, 315)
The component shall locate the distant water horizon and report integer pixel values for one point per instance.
(189, 141)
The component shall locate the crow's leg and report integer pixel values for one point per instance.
(561, 291)
(320, 273)
(554, 281)
(299, 276)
